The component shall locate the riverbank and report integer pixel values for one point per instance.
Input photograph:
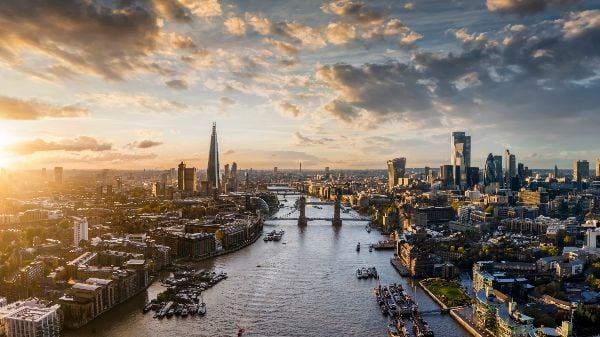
(446, 293)
(221, 253)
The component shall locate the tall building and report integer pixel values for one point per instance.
(181, 176)
(396, 170)
(189, 181)
(58, 175)
(447, 174)
(234, 177)
(212, 172)
(498, 162)
(556, 172)
(489, 172)
(460, 155)
(80, 230)
(510, 164)
(472, 176)
(581, 169)
(597, 167)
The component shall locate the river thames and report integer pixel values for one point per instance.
(304, 285)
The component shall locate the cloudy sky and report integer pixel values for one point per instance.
(346, 84)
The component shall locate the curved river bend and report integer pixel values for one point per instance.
(305, 287)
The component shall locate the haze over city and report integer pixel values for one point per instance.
(137, 84)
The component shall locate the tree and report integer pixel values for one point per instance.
(568, 240)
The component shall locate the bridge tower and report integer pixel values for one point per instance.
(302, 207)
(337, 220)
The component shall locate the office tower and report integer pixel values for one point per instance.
(512, 169)
(427, 173)
(80, 230)
(212, 173)
(326, 172)
(396, 170)
(489, 171)
(597, 167)
(58, 175)
(300, 167)
(447, 174)
(181, 176)
(275, 170)
(189, 181)
(472, 176)
(234, 177)
(498, 163)
(521, 170)
(510, 164)
(556, 172)
(581, 169)
(460, 155)
(226, 173)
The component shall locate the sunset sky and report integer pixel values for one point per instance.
(346, 84)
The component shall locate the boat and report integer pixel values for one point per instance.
(365, 272)
(370, 248)
(170, 313)
(368, 229)
(147, 307)
(358, 247)
(266, 238)
(393, 331)
(202, 309)
(358, 273)
(184, 312)
(178, 310)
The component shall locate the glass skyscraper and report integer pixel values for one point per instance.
(212, 172)
(460, 155)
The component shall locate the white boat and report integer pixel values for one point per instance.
(359, 273)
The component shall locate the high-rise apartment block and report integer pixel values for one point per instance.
(80, 230)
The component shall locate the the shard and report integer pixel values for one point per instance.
(212, 173)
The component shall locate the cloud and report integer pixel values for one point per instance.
(108, 39)
(410, 38)
(228, 152)
(283, 47)
(289, 109)
(354, 11)
(294, 31)
(78, 144)
(544, 70)
(340, 33)
(141, 101)
(144, 144)
(20, 109)
(203, 8)
(177, 84)
(522, 7)
(302, 140)
(409, 6)
(235, 26)
(375, 91)
(226, 101)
